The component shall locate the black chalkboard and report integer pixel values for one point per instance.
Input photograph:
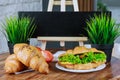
(60, 23)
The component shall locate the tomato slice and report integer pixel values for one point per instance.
(48, 55)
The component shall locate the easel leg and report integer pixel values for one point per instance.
(81, 43)
(43, 47)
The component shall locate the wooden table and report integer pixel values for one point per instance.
(112, 70)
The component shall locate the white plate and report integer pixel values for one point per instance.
(55, 55)
(81, 71)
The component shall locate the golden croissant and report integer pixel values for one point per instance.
(29, 56)
(12, 64)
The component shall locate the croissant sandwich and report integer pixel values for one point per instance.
(82, 58)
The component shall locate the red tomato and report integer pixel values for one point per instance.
(48, 55)
(39, 48)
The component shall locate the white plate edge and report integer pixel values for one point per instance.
(81, 71)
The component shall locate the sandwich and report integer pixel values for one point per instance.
(82, 58)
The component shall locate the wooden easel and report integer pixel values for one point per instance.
(63, 4)
(62, 40)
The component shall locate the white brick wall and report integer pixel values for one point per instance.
(11, 7)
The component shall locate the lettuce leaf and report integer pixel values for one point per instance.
(88, 57)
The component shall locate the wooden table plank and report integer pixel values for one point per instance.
(112, 70)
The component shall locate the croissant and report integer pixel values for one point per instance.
(12, 64)
(31, 57)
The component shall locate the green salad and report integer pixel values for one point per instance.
(83, 58)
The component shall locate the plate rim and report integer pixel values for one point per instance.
(102, 66)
